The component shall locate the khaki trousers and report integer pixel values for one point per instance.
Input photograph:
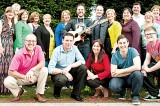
(40, 77)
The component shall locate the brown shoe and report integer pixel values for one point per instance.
(39, 98)
(18, 97)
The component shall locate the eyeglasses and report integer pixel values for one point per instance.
(29, 41)
(150, 34)
(148, 16)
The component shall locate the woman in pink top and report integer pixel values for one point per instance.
(98, 65)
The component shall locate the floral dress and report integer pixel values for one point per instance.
(5, 58)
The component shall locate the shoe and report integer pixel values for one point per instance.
(18, 97)
(57, 92)
(122, 97)
(39, 98)
(135, 101)
(151, 98)
(95, 96)
(77, 97)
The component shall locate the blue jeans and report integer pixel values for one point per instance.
(134, 80)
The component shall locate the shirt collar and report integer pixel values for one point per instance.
(62, 50)
(138, 16)
(24, 50)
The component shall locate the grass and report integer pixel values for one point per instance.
(65, 95)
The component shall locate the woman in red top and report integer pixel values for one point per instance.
(98, 65)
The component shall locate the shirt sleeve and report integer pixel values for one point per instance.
(106, 73)
(114, 60)
(15, 63)
(41, 54)
(53, 61)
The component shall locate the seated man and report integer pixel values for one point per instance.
(151, 70)
(27, 67)
(125, 70)
(67, 64)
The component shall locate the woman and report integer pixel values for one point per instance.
(156, 12)
(114, 30)
(65, 17)
(45, 37)
(149, 21)
(131, 29)
(6, 45)
(98, 65)
(34, 19)
(22, 29)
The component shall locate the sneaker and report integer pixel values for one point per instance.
(151, 98)
(122, 97)
(135, 101)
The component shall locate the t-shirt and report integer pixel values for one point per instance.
(154, 51)
(121, 62)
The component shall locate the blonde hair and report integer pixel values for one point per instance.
(151, 14)
(9, 9)
(112, 10)
(47, 15)
(16, 5)
(33, 14)
(62, 14)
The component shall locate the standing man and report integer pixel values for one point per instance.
(99, 31)
(125, 70)
(67, 64)
(150, 69)
(137, 16)
(80, 24)
(27, 67)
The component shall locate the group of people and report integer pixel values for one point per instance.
(107, 56)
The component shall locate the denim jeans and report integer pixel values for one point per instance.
(134, 81)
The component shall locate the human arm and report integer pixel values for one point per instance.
(58, 30)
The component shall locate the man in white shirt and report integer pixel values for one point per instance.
(137, 16)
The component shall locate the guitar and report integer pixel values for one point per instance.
(79, 35)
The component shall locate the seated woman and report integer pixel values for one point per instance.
(98, 65)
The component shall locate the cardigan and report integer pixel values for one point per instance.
(58, 34)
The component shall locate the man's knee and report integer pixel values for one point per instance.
(83, 69)
(115, 85)
(9, 81)
(138, 75)
(44, 71)
(59, 81)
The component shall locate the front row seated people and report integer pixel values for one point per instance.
(27, 67)
(67, 64)
(98, 65)
(151, 69)
(125, 70)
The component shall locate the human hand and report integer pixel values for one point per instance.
(69, 76)
(117, 72)
(67, 69)
(144, 73)
(87, 31)
(92, 77)
(29, 75)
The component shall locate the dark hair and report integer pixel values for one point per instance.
(21, 12)
(129, 9)
(121, 37)
(100, 55)
(82, 4)
(150, 28)
(68, 34)
(137, 3)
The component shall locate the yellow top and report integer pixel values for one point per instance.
(52, 44)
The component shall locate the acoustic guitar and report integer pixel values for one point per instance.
(79, 35)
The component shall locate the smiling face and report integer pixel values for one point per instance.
(80, 11)
(110, 14)
(156, 12)
(99, 11)
(67, 41)
(66, 17)
(151, 35)
(47, 19)
(136, 9)
(123, 45)
(149, 17)
(24, 16)
(30, 42)
(9, 12)
(36, 18)
(96, 48)
(126, 15)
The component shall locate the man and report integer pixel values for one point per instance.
(27, 67)
(67, 64)
(137, 16)
(125, 70)
(99, 31)
(150, 69)
(80, 24)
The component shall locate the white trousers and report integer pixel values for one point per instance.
(40, 77)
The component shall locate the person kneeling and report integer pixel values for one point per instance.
(27, 67)
(67, 64)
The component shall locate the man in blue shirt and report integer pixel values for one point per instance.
(125, 70)
(67, 64)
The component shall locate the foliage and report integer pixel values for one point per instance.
(119, 5)
(53, 7)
